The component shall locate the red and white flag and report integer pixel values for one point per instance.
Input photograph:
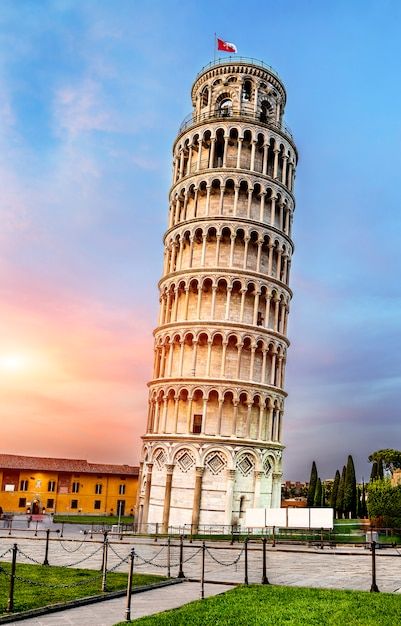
(226, 46)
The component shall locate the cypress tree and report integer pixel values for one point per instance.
(349, 503)
(334, 490)
(340, 494)
(358, 502)
(364, 508)
(380, 470)
(312, 485)
(373, 473)
(318, 493)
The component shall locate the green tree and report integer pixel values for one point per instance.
(334, 490)
(318, 494)
(380, 469)
(391, 458)
(373, 473)
(340, 494)
(312, 485)
(384, 503)
(349, 502)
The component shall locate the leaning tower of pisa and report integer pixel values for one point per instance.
(212, 446)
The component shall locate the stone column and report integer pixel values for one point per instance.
(213, 305)
(197, 499)
(219, 417)
(138, 491)
(212, 145)
(226, 137)
(236, 192)
(209, 357)
(235, 417)
(223, 358)
(275, 164)
(227, 312)
(229, 497)
(265, 158)
(276, 491)
(147, 493)
(272, 210)
(240, 140)
(256, 493)
(199, 154)
(167, 498)
(246, 242)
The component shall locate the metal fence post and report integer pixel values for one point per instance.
(265, 580)
(156, 531)
(180, 571)
(246, 561)
(129, 585)
(374, 588)
(169, 558)
(203, 571)
(62, 530)
(274, 537)
(104, 563)
(46, 561)
(10, 602)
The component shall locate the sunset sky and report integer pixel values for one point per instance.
(91, 97)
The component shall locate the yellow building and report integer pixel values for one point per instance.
(36, 485)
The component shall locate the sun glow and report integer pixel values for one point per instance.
(14, 363)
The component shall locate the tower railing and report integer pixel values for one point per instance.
(192, 119)
(237, 59)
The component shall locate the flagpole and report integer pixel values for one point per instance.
(214, 49)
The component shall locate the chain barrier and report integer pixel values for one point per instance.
(74, 549)
(123, 560)
(85, 558)
(30, 558)
(6, 552)
(224, 563)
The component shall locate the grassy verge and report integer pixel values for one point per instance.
(47, 587)
(279, 606)
(91, 519)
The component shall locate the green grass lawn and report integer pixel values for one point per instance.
(279, 606)
(92, 519)
(29, 596)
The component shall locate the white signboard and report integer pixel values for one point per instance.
(298, 518)
(276, 517)
(289, 518)
(321, 518)
(9, 487)
(255, 518)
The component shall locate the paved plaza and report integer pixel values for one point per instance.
(337, 568)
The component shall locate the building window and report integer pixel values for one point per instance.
(98, 489)
(24, 485)
(22, 503)
(50, 503)
(225, 107)
(51, 485)
(74, 504)
(197, 424)
(121, 490)
(75, 487)
(97, 505)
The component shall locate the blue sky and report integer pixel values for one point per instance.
(91, 97)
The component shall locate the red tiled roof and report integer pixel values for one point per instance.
(77, 466)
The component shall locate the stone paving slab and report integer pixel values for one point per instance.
(110, 612)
